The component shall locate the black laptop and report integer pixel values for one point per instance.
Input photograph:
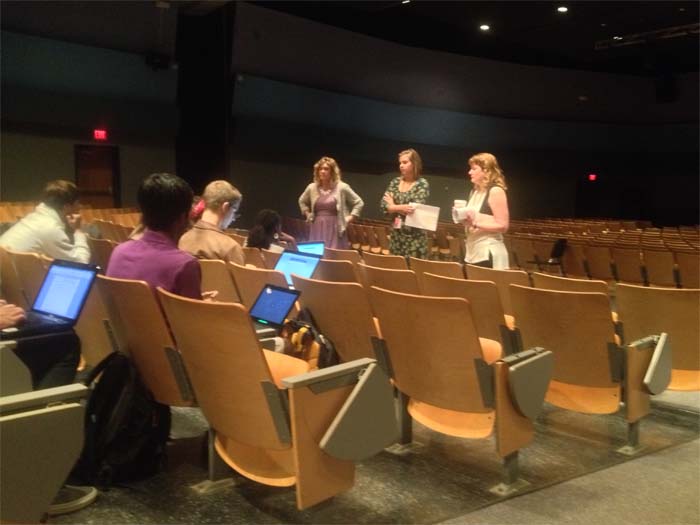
(59, 301)
(302, 264)
(271, 308)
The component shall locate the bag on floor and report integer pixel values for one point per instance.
(125, 429)
(306, 342)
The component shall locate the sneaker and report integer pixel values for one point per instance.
(71, 498)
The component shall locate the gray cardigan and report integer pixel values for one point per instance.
(345, 199)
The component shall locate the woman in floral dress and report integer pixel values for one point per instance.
(409, 187)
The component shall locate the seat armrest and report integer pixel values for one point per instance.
(330, 374)
(42, 398)
(658, 373)
(529, 373)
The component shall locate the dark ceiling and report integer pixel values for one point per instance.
(522, 32)
(533, 33)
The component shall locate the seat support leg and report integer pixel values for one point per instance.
(511, 482)
(219, 474)
(405, 444)
(632, 447)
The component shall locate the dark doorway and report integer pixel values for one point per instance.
(97, 175)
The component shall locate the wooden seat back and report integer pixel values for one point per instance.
(483, 298)
(403, 281)
(446, 269)
(249, 281)
(432, 344)
(336, 271)
(392, 262)
(502, 279)
(343, 314)
(216, 276)
(577, 329)
(140, 325)
(646, 311)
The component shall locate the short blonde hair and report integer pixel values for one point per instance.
(218, 192)
(415, 160)
(489, 163)
(332, 164)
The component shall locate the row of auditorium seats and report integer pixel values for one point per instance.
(399, 326)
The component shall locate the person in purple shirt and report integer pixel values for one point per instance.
(165, 202)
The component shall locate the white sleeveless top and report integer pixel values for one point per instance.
(481, 245)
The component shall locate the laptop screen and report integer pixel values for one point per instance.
(303, 264)
(316, 248)
(273, 305)
(65, 289)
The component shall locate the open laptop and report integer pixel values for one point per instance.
(302, 264)
(271, 308)
(59, 301)
(316, 247)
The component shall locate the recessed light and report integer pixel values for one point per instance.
(562, 9)
(603, 25)
(406, 1)
(582, 98)
(681, 9)
(484, 27)
(617, 37)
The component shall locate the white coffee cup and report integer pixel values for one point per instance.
(459, 214)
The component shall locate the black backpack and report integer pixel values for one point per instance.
(125, 429)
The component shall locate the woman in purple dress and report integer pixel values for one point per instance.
(329, 204)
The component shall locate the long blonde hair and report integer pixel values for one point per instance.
(489, 163)
(332, 164)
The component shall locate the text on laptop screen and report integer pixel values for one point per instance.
(273, 305)
(301, 264)
(317, 248)
(64, 291)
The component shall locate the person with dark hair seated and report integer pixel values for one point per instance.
(165, 201)
(267, 232)
(53, 228)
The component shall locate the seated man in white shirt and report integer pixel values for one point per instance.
(53, 228)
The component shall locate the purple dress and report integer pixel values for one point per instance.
(325, 225)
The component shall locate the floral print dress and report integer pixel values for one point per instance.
(407, 241)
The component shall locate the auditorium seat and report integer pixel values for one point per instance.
(249, 281)
(688, 267)
(12, 291)
(216, 276)
(442, 371)
(589, 365)
(404, 281)
(270, 258)
(444, 268)
(342, 255)
(100, 251)
(660, 267)
(244, 393)
(254, 257)
(31, 269)
(649, 310)
(627, 263)
(392, 262)
(336, 271)
(487, 311)
(502, 278)
(342, 313)
(141, 331)
(35, 427)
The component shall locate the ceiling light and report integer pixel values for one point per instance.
(617, 38)
(406, 1)
(603, 24)
(484, 27)
(582, 98)
(562, 9)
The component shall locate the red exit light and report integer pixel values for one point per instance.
(592, 177)
(99, 134)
